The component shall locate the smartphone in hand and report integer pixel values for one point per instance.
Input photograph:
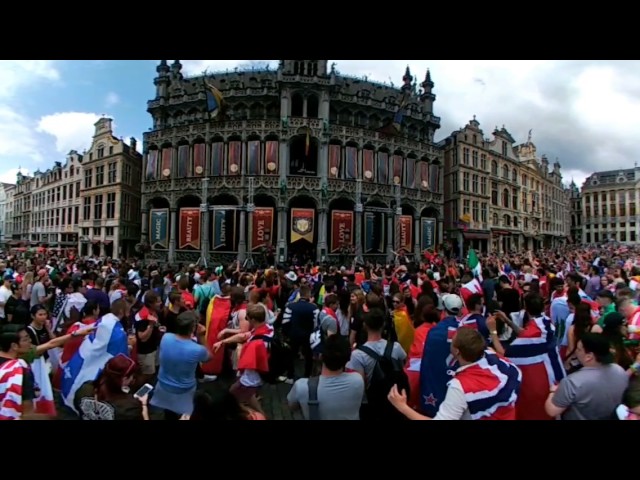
(144, 390)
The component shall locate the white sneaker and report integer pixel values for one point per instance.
(208, 379)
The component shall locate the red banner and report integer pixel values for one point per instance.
(189, 228)
(262, 232)
(406, 232)
(341, 229)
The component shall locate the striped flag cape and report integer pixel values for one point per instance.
(218, 314)
(11, 379)
(109, 340)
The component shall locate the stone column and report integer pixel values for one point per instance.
(323, 161)
(204, 233)
(250, 209)
(144, 230)
(283, 160)
(322, 250)
(440, 232)
(417, 234)
(242, 243)
(282, 233)
(173, 234)
(390, 234)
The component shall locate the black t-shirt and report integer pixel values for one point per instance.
(510, 299)
(19, 309)
(169, 318)
(153, 342)
(28, 382)
(39, 336)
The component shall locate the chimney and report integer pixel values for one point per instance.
(133, 143)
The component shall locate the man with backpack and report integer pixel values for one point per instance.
(335, 394)
(381, 364)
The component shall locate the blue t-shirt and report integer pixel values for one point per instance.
(178, 361)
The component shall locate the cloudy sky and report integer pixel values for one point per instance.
(584, 113)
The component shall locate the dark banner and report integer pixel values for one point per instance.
(224, 228)
(271, 156)
(334, 161)
(397, 169)
(199, 158)
(167, 158)
(235, 158)
(302, 224)
(406, 232)
(217, 158)
(159, 228)
(428, 233)
(367, 164)
(253, 157)
(383, 167)
(341, 229)
(351, 157)
(189, 228)
(262, 231)
(183, 161)
(373, 232)
(152, 165)
(410, 175)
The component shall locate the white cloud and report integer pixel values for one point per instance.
(17, 139)
(15, 74)
(9, 176)
(72, 130)
(111, 99)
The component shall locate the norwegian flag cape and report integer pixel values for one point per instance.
(438, 367)
(535, 352)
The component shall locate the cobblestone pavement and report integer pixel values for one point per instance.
(274, 402)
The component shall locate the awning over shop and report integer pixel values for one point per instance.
(476, 235)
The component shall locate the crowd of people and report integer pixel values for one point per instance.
(550, 334)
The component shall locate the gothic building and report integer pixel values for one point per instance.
(300, 161)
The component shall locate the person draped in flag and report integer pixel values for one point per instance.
(254, 357)
(109, 339)
(402, 323)
(474, 265)
(18, 390)
(218, 313)
(484, 386)
(428, 318)
(438, 365)
(535, 352)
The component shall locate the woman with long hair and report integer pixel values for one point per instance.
(357, 335)
(581, 324)
(616, 331)
(109, 396)
(402, 321)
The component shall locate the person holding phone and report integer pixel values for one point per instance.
(109, 396)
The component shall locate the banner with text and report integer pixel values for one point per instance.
(224, 228)
(341, 229)
(428, 233)
(302, 224)
(189, 228)
(406, 232)
(262, 228)
(159, 228)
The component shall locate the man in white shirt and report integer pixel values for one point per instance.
(5, 294)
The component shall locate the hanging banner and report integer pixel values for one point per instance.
(341, 229)
(302, 224)
(224, 227)
(189, 228)
(262, 230)
(217, 158)
(271, 157)
(397, 169)
(235, 158)
(152, 164)
(159, 228)
(351, 160)
(199, 158)
(167, 158)
(410, 174)
(383, 167)
(406, 232)
(253, 157)
(334, 160)
(373, 232)
(184, 163)
(428, 233)
(368, 164)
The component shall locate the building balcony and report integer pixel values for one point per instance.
(293, 182)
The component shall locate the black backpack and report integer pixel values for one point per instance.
(387, 372)
(278, 355)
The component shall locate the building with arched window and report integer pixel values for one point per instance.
(295, 162)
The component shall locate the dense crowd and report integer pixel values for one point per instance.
(551, 334)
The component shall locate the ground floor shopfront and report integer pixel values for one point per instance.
(499, 241)
(222, 229)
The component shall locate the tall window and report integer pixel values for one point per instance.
(87, 178)
(86, 209)
(112, 172)
(111, 205)
(97, 208)
(99, 176)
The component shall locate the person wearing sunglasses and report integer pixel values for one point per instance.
(109, 396)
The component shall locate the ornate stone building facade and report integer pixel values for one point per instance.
(575, 213)
(544, 199)
(299, 161)
(46, 206)
(610, 206)
(9, 190)
(5, 188)
(110, 195)
(495, 192)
